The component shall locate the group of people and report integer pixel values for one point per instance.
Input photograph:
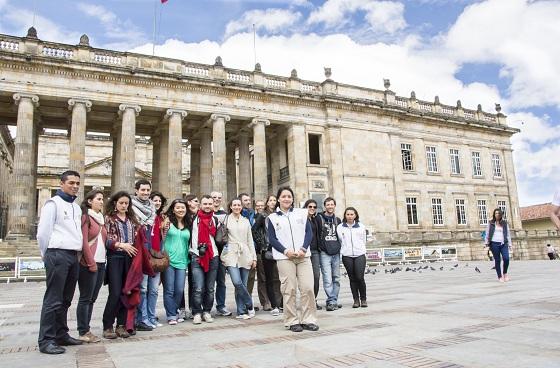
(133, 243)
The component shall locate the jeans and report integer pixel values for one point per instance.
(355, 267)
(62, 269)
(221, 287)
(239, 277)
(148, 294)
(89, 284)
(173, 291)
(330, 269)
(116, 271)
(316, 264)
(497, 251)
(203, 285)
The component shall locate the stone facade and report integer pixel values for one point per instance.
(410, 167)
(6, 175)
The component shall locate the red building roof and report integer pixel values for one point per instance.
(536, 212)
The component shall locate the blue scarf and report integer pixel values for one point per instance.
(65, 196)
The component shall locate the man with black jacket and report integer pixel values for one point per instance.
(329, 246)
(311, 206)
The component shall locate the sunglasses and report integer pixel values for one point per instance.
(311, 206)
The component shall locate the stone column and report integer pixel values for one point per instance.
(219, 182)
(115, 160)
(21, 214)
(77, 161)
(275, 163)
(297, 162)
(335, 171)
(127, 158)
(173, 182)
(231, 170)
(195, 167)
(44, 196)
(205, 161)
(244, 163)
(34, 159)
(259, 157)
(156, 148)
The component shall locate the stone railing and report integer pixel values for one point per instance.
(105, 58)
(139, 62)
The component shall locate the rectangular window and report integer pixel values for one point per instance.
(496, 166)
(482, 212)
(455, 163)
(406, 153)
(503, 207)
(314, 149)
(437, 211)
(431, 159)
(476, 164)
(411, 211)
(461, 212)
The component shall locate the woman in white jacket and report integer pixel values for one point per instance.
(239, 257)
(352, 235)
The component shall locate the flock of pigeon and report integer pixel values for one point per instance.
(418, 269)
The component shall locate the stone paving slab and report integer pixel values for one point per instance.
(451, 318)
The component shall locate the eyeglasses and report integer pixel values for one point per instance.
(311, 206)
(216, 197)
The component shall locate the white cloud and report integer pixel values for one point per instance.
(122, 33)
(382, 16)
(271, 20)
(520, 35)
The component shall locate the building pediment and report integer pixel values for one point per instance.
(104, 167)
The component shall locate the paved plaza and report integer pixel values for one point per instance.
(453, 317)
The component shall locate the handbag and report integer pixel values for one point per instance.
(159, 260)
(221, 237)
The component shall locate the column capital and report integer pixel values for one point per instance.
(257, 121)
(216, 116)
(123, 107)
(170, 112)
(19, 96)
(73, 101)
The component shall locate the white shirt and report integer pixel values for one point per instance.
(498, 235)
(100, 251)
(556, 198)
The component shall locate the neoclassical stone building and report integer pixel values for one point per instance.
(408, 166)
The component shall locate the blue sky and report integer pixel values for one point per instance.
(483, 52)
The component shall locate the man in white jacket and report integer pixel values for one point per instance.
(60, 239)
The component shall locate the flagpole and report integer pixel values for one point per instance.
(254, 44)
(154, 36)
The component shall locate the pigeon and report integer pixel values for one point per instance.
(408, 269)
(477, 269)
(467, 265)
(441, 268)
(431, 268)
(457, 265)
(368, 270)
(386, 271)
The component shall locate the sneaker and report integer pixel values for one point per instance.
(223, 312)
(172, 322)
(207, 317)
(89, 338)
(152, 325)
(122, 332)
(180, 320)
(296, 328)
(356, 304)
(363, 304)
(310, 326)
(331, 307)
(109, 334)
(242, 316)
(197, 319)
(251, 312)
(143, 327)
(182, 313)
(155, 323)
(506, 278)
(501, 279)
(275, 312)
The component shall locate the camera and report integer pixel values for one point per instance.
(202, 248)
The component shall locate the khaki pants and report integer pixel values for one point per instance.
(296, 274)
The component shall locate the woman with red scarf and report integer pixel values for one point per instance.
(205, 260)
